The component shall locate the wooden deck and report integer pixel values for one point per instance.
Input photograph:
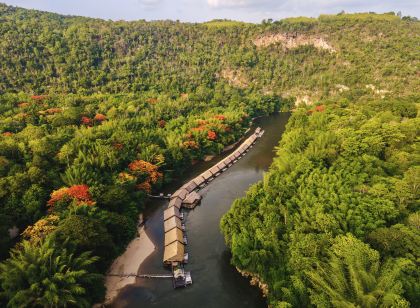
(122, 275)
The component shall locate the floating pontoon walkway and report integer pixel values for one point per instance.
(141, 275)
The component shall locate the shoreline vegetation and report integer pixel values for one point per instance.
(95, 115)
(142, 246)
(129, 262)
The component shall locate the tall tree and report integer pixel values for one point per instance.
(44, 276)
(354, 277)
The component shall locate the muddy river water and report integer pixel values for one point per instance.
(216, 283)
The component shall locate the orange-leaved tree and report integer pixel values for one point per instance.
(77, 193)
(146, 173)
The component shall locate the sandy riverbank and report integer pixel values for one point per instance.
(129, 262)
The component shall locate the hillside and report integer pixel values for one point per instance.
(95, 114)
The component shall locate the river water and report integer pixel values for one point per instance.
(216, 283)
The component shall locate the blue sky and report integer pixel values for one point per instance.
(202, 10)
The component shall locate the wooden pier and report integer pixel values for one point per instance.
(142, 275)
(187, 197)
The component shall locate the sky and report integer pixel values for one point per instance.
(204, 10)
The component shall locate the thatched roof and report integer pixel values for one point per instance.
(173, 236)
(214, 169)
(227, 160)
(171, 223)
(175, 202)
(221, 165)
(170, 212)
(190, 186)
(174, 252)
(192, 198)
(199, 180)
(207, 175)
(181, 193)
(236, 154)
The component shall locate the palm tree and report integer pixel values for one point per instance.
(354, 277)
(46, 276)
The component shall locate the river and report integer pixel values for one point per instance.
(215, 282)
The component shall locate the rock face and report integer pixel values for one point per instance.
(290, 41)
(342, 88)
(303, 100)
(255, 281)
(235, 78)
(380, 92)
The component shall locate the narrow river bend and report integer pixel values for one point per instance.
(215, 282)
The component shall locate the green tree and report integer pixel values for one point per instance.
(87, 234)
(354, 277)
(47, 276)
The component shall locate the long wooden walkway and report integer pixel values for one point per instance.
(141, 275)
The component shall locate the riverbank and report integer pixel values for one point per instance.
(129, 262)
(141, 247)
(210, 258)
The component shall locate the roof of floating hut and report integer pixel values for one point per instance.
(173, 236)
(192, 198)
(258, 130)
(221, 165)
(190, 186)
(232, 158)
(199, 180)
(175, 202)
(207, 175)
(181, 193)
(174, 252)
(236, 154)
(170, 212)
(241, 150)
(172, 223)
(227, 160)
(214, 169)
(253, 138)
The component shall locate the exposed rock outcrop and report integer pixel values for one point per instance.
(290, 41)
(255, 281)
(342, 88)
(235, 78)
(380, 92)
(303, 100)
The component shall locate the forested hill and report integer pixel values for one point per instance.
(43, 53)
(95, 115)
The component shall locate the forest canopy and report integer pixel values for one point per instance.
(95, 115)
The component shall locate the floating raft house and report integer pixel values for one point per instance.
(175, 202)
(181, 193)
(172, 223)
(171, 212)
(192, 200)
(199, 180)
(173, 236)
(174, 253)
(188, 197)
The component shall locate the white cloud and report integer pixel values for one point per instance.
(150, 3)
(301, 5)
(233, 3)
